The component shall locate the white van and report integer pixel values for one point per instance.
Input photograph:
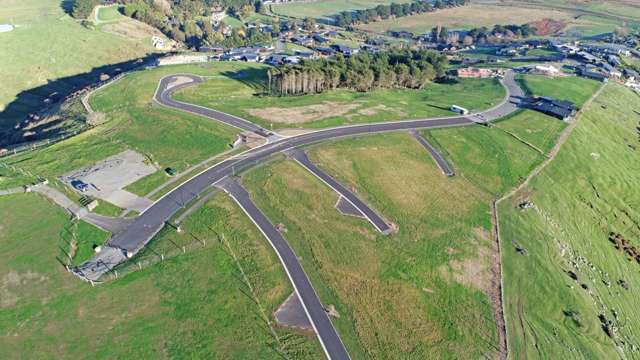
(459, 109)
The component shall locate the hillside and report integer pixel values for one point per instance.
(566, 284)
(48, 54)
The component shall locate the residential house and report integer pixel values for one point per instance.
(551, 106)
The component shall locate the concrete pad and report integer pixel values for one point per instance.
(127, 200)
(108, 177)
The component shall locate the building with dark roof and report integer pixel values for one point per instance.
(560, 109)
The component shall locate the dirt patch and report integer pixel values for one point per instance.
(179, 80)
(546, 27)
(293, 132)
(13, 280)
(303, 114)
(474, 270)
(374, 110)
(137, 30)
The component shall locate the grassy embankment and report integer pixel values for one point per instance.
(132, 121)
(341, 107)
(582, 196)
(194, 305)
(34, 54)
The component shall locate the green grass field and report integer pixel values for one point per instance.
(109, 13)
(572, 88)
(538, 129)
(168, 138)
(240, 97)
(416, 291)
(194, 305)
(584, 194)
(325, 8)
(41, 45)
(469, 16)
(487, 157)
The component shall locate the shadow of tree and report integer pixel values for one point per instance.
(18, 126)
(255, 78)
(67, 6)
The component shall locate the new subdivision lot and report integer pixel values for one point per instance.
(416, 290)
(132, 121)
(241, 96)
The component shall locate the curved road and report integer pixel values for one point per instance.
(149, 223)
(145, 226)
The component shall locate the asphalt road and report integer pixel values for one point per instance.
(373, 217)
(439, 159)
(329, 339)
(145, 226)
(165, 91)
(151, 221)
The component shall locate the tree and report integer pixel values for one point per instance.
(82, 9)
(309, 23)
(259, 7)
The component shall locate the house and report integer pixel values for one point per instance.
(401, 34)
(250, 57)
(472, 61)
(276, 59)
(319, 38)
(326, 51)
(304, 54)
(614, 60)
(301, 40)
(610, 70)
(374, 42)
(594, 75)
(588, 58)
(345, 50)
(631, 74)
(548, 70)
(551, 106)
(217, 16)
(292, 60)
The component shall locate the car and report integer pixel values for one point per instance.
(79, 185)
(171, 171)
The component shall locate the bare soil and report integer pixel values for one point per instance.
(303, 114)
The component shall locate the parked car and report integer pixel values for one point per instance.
(171, 171)
(79, 185)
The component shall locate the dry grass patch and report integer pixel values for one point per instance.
(469, 16)
(474, 270)
(303, 114)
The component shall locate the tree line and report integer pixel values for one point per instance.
(482, 34)
(82, 9)
(188, 21)
(381, 12)
(363, 72)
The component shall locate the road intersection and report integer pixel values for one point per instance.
(143, 228)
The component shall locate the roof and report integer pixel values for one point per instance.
(551, 106)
